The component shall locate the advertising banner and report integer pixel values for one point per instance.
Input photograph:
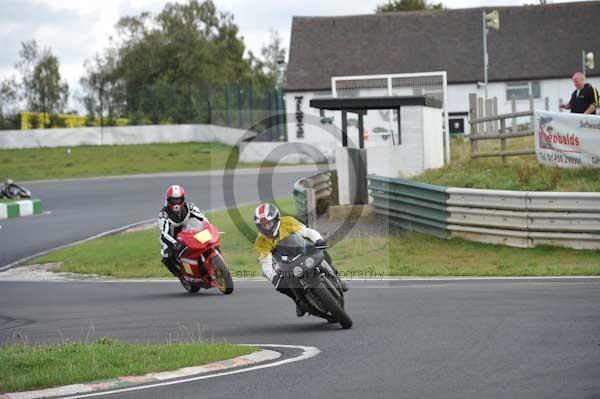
(567, 140)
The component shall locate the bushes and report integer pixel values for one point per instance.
(9, 121)
(39, 120)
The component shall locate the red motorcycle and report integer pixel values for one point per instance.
(200, 262)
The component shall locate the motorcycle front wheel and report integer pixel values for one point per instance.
(332, 305)
(223, 278)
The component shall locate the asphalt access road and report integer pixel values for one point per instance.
(433, 339)
(83, 208)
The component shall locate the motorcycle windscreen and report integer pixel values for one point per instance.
(292, 246)
(193, 224)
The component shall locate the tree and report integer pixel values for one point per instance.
(42, 87)
(9, 102)
(104, 93)
(174, 66)
(273, 59)
(407, 5)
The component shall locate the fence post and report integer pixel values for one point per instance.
(473, 115)
(480, 114)
(239, 106)
(251, 105)
(503, 140)
(513, 109)
(532, 118)
(495, 112)
(227, 110)
(489, 126)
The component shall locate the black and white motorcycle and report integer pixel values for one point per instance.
(12, 190)
(303, 269)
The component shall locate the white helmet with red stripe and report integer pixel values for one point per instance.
(267, 219)
(175, 199)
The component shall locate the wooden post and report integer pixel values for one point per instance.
(495, 112)
(513, 109)
(473, 115)
(532, 118)
(489, 126)
(480, 114)
(503, 140)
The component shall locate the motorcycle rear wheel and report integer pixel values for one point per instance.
(330, 303)
(222, 275)
(189, 287)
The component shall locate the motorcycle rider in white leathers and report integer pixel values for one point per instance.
(171, 220)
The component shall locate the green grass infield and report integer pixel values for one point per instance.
(92, 161)
(25, 367)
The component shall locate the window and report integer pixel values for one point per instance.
(521, 90)
(457, 125)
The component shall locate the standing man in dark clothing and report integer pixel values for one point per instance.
(584, 99)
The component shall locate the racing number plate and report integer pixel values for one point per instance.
(203, 237)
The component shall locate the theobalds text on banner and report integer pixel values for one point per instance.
(567, 140)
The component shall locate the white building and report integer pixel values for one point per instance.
(535, 51)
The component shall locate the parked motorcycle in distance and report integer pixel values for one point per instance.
(303, 268)
(12, 190)
(201, 262)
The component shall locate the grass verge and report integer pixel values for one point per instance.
(414, 254)
(137, 254)
(410, 254)
(521, 173)
(29, 367)
(91, 161)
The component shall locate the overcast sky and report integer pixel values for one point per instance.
(75, 30)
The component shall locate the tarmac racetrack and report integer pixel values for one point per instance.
(413, 339)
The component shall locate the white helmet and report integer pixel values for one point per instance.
(267, 219)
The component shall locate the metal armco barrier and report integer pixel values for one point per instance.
(314, 194)
(515, 218)
(410, 205)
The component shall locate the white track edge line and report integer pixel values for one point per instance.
(105, 233)
(308, 352)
